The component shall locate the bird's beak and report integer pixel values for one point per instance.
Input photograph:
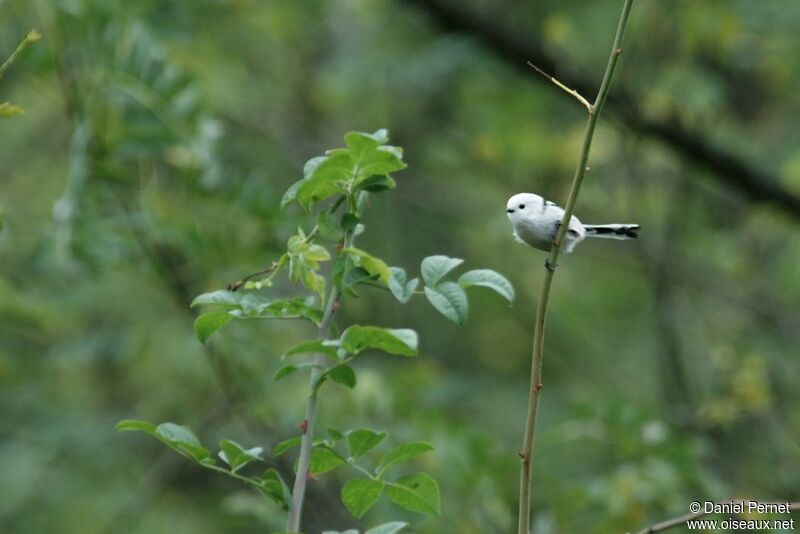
(509, 210)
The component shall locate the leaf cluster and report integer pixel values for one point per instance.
(418, 492)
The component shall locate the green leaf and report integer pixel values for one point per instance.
(435, 267)
(311, 165)
(286, 445)
(284, 371)
(388, 528)
(394, 341)
(236, 456)
(488, 278)
(360, 494)
(361, 441)
(371, 155)
(243, 304)
(208, 323)
(369, 263)
(7, 109)
(356, 276)
(178, 438)
(317, 253)
(377, 183)
(246, 305)
(289, 308)
(226, 299)
(325, 347)
(176, 434)
(273, 486)
(323, 460)
(360, 143)
(402, 453)
(344, 375)
(328, 226)
(416, 493)
(350, 221)
(402, 290)
(326, 177)
(314, 282)
(381, 161)
(182, 440)
(134, 425)
(450, 300)
(291, 194)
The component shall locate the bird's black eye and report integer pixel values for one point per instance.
(522, 206)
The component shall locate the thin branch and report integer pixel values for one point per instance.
(32, 37)
(235, 286)
(573, 92)
(526, 454)
(681, 520)
(307, 426)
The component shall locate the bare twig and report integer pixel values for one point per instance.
(234, 286)
(526, 454)
(32, 37)
(681, 520)
(573, 92)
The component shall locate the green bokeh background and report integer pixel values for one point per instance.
(158, 139)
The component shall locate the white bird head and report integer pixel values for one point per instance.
(522, 204)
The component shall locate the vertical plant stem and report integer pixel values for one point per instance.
(307, 426)
(526, 454)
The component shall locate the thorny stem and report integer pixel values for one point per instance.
(307, 426)
(526, 454)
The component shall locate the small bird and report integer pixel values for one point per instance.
(536, 222)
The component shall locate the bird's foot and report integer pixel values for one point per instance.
(555, 239)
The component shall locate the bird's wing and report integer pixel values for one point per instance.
(556, 212)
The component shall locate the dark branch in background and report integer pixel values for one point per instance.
(681, 520)
(659, 263)
(728, 167)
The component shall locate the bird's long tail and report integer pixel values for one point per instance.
(612, 231)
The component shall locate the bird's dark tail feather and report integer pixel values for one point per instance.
(613, 231)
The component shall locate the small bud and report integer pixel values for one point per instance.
(303, 426)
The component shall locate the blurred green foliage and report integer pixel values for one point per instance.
(157, 141)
